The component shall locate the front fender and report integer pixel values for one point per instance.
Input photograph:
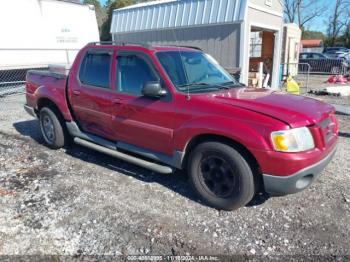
(250, 135)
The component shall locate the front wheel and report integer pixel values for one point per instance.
(52, 128)
(221, 176)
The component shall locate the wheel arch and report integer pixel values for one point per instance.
(46, 102)
(202, 138)
(54, 97)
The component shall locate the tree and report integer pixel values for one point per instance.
(302, 12)
(110, 6)
(347, 36)
(313, 35)
(339, 19)
(100, 12)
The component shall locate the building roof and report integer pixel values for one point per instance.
(312, 42)
(144, 4)
(176, 13)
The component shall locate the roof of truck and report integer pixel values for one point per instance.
(147, 46)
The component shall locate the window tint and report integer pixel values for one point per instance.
(303, 56)
(132, 73)
(94, 70)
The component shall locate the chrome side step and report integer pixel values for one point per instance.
(131, 159)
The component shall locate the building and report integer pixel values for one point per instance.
(238, 33)
(41, 32)
(291, 49)
(312, 45)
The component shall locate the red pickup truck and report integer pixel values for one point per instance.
(168, 107)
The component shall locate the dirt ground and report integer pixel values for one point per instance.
(75, 201)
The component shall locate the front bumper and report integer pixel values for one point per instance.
(30, 110)
(297, 182)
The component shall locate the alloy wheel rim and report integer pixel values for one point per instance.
(48, 128)
(217, 176)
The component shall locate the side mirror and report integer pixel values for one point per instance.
(153, 89)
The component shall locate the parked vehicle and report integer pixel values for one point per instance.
(333, 50)
(335, 54)
(320, 63)
(345, 57)
(168, 108)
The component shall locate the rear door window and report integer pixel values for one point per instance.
(95, 70)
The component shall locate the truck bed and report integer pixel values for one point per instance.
(49, 78)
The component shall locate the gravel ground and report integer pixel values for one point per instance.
(75, 201)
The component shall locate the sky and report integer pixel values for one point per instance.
(320, 24)
(103, 2)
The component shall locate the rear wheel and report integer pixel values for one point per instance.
(221, 176)
(52, 128)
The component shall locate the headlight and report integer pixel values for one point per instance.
(293, 140)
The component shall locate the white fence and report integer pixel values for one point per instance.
(300, 72)
(315, 69)
(326, 66)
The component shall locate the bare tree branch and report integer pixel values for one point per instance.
(339, 19)
(303, 12)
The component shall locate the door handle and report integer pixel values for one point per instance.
(76, 92)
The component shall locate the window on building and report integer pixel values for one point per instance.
(255, 44)
(132, 72)
(94, 70)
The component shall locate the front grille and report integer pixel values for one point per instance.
(327, 126)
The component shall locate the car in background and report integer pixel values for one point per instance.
(335, 49)
(345, 57)
(335, 52)
(320, 63)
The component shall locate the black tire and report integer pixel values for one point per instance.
(221, 176)
(57, 138)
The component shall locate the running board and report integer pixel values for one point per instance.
(131, 159)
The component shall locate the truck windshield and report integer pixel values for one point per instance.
(195, 71)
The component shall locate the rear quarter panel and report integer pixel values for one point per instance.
(40, 86)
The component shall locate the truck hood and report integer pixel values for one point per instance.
(294, 110)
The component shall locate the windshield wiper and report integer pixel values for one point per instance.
(232, 83)
(226, 85)
(194, 84)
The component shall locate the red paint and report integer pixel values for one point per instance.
(247, 116)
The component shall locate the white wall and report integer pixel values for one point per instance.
(44, 24)
(291, 49)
